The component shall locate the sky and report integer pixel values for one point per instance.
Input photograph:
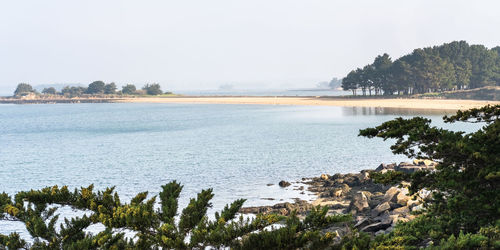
(199, 44)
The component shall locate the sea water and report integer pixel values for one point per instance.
(235, 149)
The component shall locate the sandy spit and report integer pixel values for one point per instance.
(405, 103)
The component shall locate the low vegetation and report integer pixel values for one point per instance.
(451, 66)
(96, 88)
(464, 211)
(154, 227)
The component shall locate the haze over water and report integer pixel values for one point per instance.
(234, 149)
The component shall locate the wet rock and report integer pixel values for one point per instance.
(269, 199)
(284, 184)
(269, 184)
(325, 177)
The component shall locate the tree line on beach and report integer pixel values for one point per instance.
(93, 89)
(451, 66)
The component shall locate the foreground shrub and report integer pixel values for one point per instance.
(154, 228)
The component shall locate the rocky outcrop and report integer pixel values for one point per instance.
(300, 206)
(376, 208)
(407, 167)
(284, 184)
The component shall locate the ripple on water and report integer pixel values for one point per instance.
(234, 149)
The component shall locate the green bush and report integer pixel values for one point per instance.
(154, 228)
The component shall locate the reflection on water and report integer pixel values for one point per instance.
(394, 111)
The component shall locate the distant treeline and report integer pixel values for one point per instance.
(95, 88)
(451, 66)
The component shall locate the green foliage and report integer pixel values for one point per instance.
(154, 227)
(23, 88)
(295, 233)
(466, 181)
(96, 87)
(49, 91)
(194, 212)
(129, 89)
(451, 66)
(13, 241)
(317, 218)
(110, 88)
(389, 177)
(354, 240)
(73, 91)
(153, 89)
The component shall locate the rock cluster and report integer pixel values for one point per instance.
(376, 208)
(407, 167)
(300, 206)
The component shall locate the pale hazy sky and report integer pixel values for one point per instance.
(204, 44)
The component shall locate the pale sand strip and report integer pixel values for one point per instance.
(442, 104)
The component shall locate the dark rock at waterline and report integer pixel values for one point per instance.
(376, 207)
(284, 184)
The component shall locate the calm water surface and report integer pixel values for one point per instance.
(234, 149)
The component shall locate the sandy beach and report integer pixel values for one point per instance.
(429, 104)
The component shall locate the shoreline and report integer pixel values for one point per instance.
(398, 103)
(405, 103)
(375, 208)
